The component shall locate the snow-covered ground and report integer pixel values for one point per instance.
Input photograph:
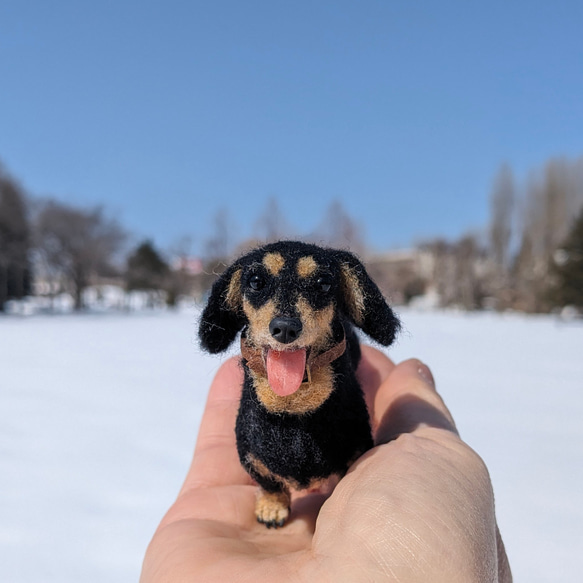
(99, 414)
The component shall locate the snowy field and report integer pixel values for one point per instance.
(99, 414)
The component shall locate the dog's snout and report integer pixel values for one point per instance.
(285, 330)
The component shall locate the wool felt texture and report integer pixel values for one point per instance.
(297, 427)
(255, 361)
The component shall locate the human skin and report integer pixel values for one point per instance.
(418, 507)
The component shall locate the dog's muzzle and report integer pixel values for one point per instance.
(256, 358)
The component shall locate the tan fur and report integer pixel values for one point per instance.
(259, 466)
(307, 398)
(316, 334)
(259, 319)
(316, 484)
(353, 294)
(306, 266)
(262, 470)
(316, 325)
(233, 298)
(272, 507)
(273, 263)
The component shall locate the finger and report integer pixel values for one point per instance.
(407, 401)
(373, 369)
(215, 461)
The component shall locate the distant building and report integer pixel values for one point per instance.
(402, 273)
(189, 265)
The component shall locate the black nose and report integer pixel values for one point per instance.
(285, 330)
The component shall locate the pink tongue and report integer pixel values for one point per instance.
(285, 370)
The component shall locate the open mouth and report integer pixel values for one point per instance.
(286, 369)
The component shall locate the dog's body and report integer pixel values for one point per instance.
(302, 416)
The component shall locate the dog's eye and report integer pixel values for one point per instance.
(324, 283)
(256, 282)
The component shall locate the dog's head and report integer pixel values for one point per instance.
(291, 296)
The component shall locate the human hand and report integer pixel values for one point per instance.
(418, 507)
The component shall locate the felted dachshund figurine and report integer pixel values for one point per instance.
(302, 416)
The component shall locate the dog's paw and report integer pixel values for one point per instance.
(272, 509)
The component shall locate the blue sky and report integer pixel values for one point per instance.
(166, 111)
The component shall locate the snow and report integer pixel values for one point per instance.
(99, 414)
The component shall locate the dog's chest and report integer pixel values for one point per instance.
(308, 446)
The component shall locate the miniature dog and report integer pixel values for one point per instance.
(302, 416)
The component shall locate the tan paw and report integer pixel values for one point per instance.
(272, 509)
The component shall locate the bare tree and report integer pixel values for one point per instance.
(442, 273)
(77, 244)
(218, 249)
(14, 240)
(457, 272)
(502, 202)
(552, 200)
(339, 229)
(468, 275)
(272, 225)
(219, 245)
(183, 278)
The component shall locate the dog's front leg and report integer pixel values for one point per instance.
(272, 508)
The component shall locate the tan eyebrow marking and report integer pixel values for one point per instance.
(306, 266)
(233, 298)
(273, 263)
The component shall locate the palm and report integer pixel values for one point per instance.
(369, 528)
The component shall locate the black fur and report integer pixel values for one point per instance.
(220, 324)
(380, 323)
(298, 448)
(301, 448)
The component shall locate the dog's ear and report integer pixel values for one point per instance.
(223, 316)
(364, 303)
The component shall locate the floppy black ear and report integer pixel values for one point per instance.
(223, 316)
(364, 303)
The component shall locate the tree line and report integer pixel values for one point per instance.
(531, 251)
(48, 247)
(529, 257)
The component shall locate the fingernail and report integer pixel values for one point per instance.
(424, 372)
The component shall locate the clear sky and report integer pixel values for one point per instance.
(166, 111)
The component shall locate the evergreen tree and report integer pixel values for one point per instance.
(568, 268)
(146, 269)
(14, 241)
